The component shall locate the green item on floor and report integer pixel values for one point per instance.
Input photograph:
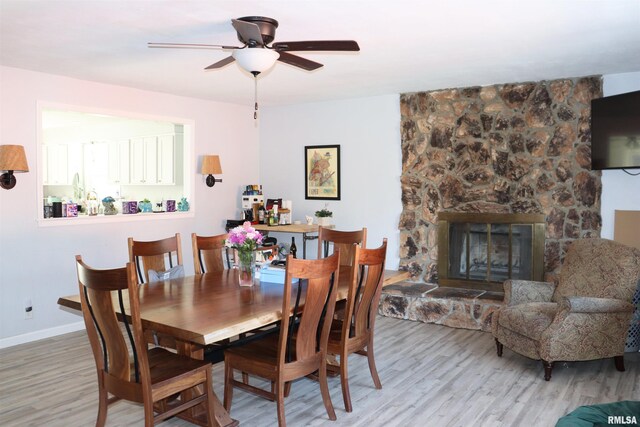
(625, 413)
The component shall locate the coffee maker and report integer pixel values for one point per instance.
(249, 206)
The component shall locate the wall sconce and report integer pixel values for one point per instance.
(12, 159)
(211, 166)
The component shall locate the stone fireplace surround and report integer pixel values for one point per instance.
(508, 148)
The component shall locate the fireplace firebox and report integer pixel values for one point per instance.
(482, 250)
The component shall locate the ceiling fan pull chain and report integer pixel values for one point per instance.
(255, 96)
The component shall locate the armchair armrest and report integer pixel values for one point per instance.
(595, 305)
(522, 291)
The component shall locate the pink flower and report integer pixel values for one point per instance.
(244, 237)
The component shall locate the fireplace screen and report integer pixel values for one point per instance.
(483, 250)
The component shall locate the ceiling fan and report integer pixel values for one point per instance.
(256, 55)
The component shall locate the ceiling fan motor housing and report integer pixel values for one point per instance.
(267, 27)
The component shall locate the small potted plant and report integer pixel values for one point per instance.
(324, 217)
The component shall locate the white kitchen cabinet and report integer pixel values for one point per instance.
(56, 164)
(152, 160)
(118, 171)
(166, 156)
(144, 160)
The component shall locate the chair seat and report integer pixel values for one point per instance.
(528, 319)
(165, 365)
(262, 352)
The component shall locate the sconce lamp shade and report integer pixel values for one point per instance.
(211, 166)
(12, 159)
(256, 59)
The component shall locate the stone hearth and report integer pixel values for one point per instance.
(454, 307)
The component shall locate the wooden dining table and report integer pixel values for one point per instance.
(207, 308)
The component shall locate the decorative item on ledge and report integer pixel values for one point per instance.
(183, 205)
(145, 206)
(131, 207)
(211, 166)
(12, 159)
(109, 207)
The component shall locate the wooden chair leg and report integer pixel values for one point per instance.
(287, 389)
(344, 381)
(548, 367)
(619, 361)
(148, 416)
(280, 404)
(103, 405)
(245, 378)
(499, 347)
(324, 389)
(228, 387)
(372, 365)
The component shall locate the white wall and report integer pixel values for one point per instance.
(620, 191)
(37, 263)
(368, 132)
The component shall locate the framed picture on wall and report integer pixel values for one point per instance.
(322, 172)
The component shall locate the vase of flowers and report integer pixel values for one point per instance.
(245, 239)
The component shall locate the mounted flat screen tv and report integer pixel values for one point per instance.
(615, 132)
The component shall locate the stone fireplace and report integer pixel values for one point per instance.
(520, 148)
(514, 148)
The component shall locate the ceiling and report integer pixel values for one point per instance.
(406, 46)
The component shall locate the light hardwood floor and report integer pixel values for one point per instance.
(431, 376)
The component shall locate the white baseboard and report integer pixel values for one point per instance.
(38, 335)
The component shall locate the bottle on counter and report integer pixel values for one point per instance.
(293, 250)
(261, 214)
(273, 217)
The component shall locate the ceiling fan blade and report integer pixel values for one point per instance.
(226, 61)
(248, 31)
(298, 61)
(191, 46)
(317, 45)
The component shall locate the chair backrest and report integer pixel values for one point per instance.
(342, 240)
(156, 255)
(209, 253)
(309, 328)
(599, 268)
(121, 372)
(365, 286)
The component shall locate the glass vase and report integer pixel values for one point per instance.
(246, 267)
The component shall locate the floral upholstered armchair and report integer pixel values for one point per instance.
(585, 317)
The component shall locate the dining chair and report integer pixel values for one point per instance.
(147, 376)
(209, 253)
(354, 333)
(157, 255)
(300, 348)
(163, 255)
(343, 240)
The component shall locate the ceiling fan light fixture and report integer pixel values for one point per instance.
(255, 59)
